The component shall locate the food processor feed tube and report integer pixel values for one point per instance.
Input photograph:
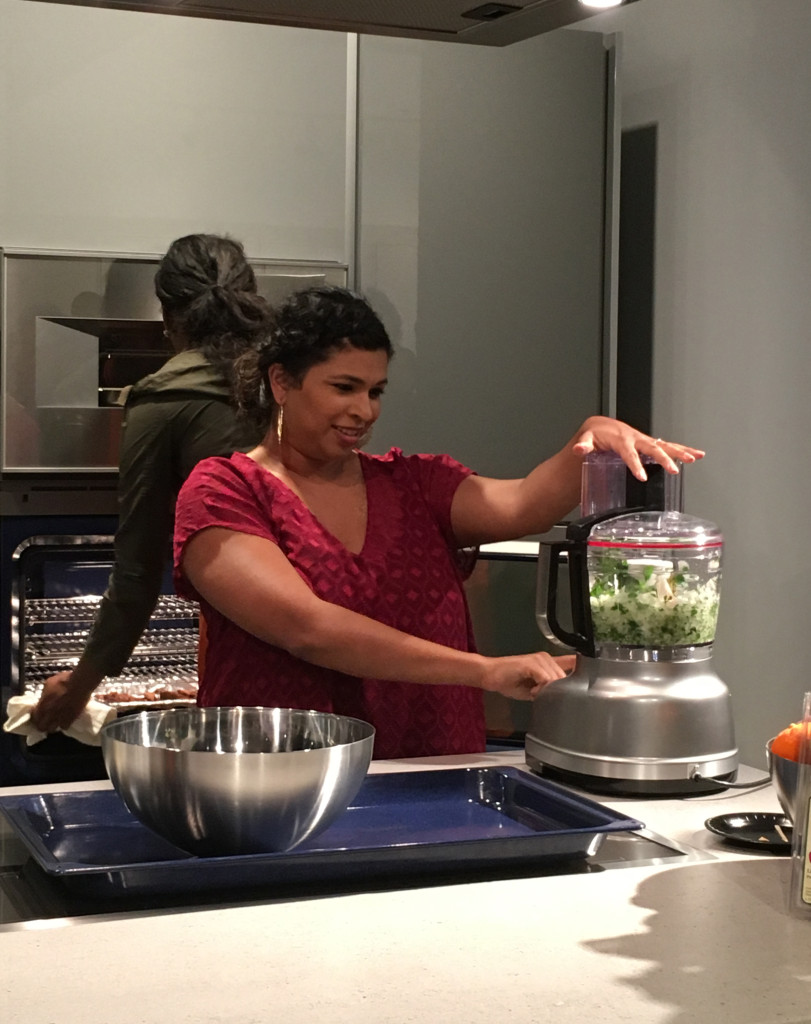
(643, 711)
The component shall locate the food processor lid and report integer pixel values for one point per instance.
(607, 483)
(655, 530)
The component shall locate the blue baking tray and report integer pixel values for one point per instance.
(399, 824)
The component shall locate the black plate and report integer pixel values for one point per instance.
(771, 832)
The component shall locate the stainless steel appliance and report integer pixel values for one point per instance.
(76, 328)
(56, 583)
(56, 588)
(643, 711)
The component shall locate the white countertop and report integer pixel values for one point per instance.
(679, 943)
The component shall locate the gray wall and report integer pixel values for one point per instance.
(120, 131)
(481, 241)
(479, 191)
(729, 84)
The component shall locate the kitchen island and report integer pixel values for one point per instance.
(683, 940)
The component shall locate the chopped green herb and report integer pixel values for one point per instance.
(650, 605)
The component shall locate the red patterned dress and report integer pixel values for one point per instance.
(408, 575)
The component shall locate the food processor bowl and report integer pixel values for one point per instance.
(653, 581)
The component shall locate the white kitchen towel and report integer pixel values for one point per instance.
(85, 728)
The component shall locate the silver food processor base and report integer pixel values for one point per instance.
(648, 726)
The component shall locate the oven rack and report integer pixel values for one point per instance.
(169, 642)
(38, 669)
(135, 679)
(56, 590)
(82, 609)
(55, 629)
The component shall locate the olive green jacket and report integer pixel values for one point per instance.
(172, 419)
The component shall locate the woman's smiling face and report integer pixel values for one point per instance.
(336, 404)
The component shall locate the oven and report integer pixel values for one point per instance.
(53, 589)
(76, 329)
(56, 578)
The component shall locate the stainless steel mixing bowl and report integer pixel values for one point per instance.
(223, 781)
(785, 779)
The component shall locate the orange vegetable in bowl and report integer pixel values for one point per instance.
(787, 743)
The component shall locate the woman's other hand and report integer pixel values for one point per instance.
(603, 434)
(62, 700)
(523, 676)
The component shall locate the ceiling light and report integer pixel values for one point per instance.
(601, 3)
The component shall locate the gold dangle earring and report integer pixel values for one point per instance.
(279, 424)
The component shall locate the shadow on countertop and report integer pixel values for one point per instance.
(721, 944)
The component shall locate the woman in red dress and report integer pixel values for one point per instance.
(331, 579)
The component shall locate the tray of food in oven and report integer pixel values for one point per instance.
(141, 696)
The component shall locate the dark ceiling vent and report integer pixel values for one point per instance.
(489, 12)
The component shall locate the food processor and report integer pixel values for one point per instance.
(643, 711)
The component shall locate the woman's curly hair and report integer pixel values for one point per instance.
(306, 330)
(207, 290)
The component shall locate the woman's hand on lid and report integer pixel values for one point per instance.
(603, 434)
